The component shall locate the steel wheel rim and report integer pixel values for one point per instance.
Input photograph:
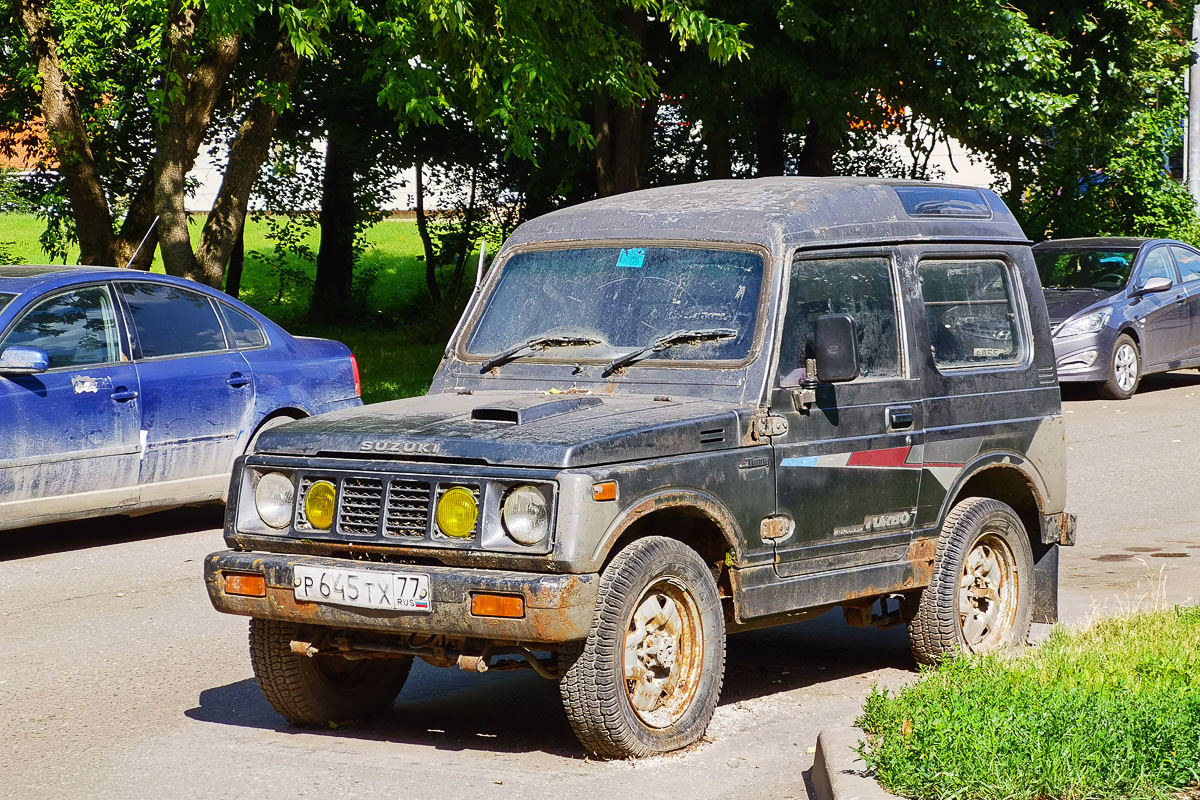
(987, 597)
(662, 660)
(1126, 367)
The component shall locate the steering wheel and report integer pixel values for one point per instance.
(1112, 280)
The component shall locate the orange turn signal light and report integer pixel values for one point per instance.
(498, 605)
(245, 585)
(604, 491)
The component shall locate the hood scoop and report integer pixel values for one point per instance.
(521, 411)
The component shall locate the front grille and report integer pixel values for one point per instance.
(407, 508)
(359, 505)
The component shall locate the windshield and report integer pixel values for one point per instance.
(624, 299)
(5, 299)
(1106, 270)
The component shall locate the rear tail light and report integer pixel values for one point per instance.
(357, 379)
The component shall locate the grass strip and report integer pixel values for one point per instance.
(1112, 711)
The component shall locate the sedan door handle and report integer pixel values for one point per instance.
(900, 418)
(237, 379)
(124, 395)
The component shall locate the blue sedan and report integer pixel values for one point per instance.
(126, 391)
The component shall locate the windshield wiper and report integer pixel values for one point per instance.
(534, 345)
(670, 340)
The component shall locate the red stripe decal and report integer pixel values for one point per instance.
(889, 457)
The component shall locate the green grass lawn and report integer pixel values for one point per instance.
(1109, 712)
(397, 337)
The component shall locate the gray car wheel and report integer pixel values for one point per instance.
(1124, 370)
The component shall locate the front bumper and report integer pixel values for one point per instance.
(558, 608)
(1084, 357)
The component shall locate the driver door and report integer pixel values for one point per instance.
(849, 466)
(1162, 317)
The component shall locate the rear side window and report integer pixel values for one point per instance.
(1187, 261)
(74, 328)
(971, 310)
(173, 321)
(860, 287)
(245, 331)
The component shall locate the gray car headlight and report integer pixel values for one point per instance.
(273, 499)
(1088, 323)
(526, 515)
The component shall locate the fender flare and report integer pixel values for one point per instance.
(664, 499)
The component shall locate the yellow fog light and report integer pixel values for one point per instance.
(457, 512)
(320, 504)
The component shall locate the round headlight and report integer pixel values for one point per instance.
(457, 512)
(526, 515)
(319, 505)
(273, 499)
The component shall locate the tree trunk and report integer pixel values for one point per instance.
(237, 261)
(246, 156)
(468, 234)
(772, 150)
(717, 147)
(331, 300)
(817, 157)
(435, 291)
(619, 146)
(69, 138)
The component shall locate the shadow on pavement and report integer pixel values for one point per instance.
(517, 712)
(1161, 382)
(63, 537)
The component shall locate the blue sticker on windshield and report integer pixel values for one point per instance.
(633, 258)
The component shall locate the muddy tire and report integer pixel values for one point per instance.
(980, 599)
(322, 689)
(647, 678)
(1124, 370)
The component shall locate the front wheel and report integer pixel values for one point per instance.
(980, 597)
(649, 674)
(1124, 370)
(324, 688)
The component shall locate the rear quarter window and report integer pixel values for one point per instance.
(245, 331)
(971, 310)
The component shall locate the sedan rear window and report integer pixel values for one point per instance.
(172, 321)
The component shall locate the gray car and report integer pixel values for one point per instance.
(1121, 308)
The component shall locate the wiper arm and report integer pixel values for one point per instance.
(670, 340)
(534, 345)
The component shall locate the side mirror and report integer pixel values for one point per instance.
(1154, 285)
(23, 361)
(837, 348)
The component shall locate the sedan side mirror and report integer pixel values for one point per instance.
(837, 348)
(23, 361)
(1156, 284)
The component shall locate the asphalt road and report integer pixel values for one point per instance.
(117, 679)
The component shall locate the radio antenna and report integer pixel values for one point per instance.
(144, 238)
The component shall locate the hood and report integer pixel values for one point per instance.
(528, 429)
(1062, 304)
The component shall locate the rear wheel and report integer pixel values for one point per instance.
(1124, 370)
(980, 597)
(647, 678)
(323, 688)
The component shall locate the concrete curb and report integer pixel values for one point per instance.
(838, 773)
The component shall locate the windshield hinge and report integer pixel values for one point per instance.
(771, 425)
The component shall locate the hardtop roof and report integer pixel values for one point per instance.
(784, 212)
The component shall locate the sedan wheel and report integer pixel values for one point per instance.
(1125, 370)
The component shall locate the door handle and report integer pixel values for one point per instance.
(123, 395)
(900, 418)
(237, 379)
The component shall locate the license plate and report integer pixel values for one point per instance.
(396, 591)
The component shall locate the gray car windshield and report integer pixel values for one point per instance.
(5, 299)
(1104, 270)
(623, 299)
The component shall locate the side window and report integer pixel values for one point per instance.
(1156, 265)
(246, 332)
(172, 321)
(1188, 263)
(972, 314)
(75, 328)
(860, 287)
